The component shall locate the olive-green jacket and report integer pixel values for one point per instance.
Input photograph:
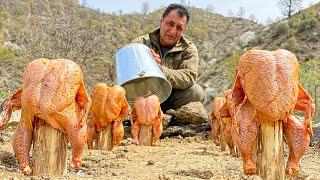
(179, 64)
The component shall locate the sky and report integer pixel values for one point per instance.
(263, 10)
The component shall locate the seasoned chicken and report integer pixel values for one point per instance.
(226, 121)
(146, 111)
(267, 89)
(215, 120)
(53, 90)
(298, 140)
(109, 107)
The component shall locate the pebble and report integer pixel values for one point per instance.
(115, 174)
(189, 139)
(12, 169)
(150, 162)
(79, 173)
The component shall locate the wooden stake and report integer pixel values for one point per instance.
(145, 135)
(104, 139)
(270, 162)
(223, 142)
(49, 154)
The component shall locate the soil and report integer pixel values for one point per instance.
(175, 157)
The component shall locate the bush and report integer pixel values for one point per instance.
(292, 44)
(282, 28)
(3, 93)
(305, 21)
(310, 79)
(232, 63)
(5, 53)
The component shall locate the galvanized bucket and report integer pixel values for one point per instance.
(139, 74)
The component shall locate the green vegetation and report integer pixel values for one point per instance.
(232, 64)
(310, 79)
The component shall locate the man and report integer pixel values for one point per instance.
(177, 57)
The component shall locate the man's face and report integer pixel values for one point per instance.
(171, 28)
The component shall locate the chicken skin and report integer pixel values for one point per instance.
(215, 120)
(109, 107)
(298, 140)
(267, 89)
(147, 112)
(53, 90)
(226, 121)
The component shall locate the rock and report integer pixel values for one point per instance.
(192, 113)
(14, 119)
(246, 38)
(150, 162)
(186, 130)
(11, 46)
(164, 176)
(166, 120)
(316, 134)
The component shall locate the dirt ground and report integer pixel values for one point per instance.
(176, 157)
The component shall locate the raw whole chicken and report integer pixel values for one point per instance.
(53, 90)
(147, 112)
(109, 107)
(215, 119)
(267, 89)
(226, 121)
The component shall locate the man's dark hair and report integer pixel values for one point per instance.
(182, 11)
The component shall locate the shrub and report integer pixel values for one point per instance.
(310, 79)
(3, 94)
(292, 44)
(282, 28)
(232, 63)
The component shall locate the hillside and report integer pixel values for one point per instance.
(64, 29)
(299, 34)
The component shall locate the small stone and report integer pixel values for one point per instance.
(189, 139)
(150, 162)
(115, 174)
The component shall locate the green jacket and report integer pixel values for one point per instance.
(179, 64)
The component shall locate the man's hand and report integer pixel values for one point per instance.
(155, 56)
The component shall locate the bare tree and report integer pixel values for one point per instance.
(230, 13)
(145, 7)
(252, 17)
(84, 3)
(288, 7)
(210, 8)
(183, 2)
(241, 12)
(120, 12)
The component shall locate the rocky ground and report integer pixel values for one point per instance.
(183, 153)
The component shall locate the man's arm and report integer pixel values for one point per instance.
(186, 74)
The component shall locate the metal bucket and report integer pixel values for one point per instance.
(139, 74)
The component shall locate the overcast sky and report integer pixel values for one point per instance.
(262, 9)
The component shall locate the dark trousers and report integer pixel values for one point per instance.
(180, 97)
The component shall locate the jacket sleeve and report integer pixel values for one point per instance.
(186, 74)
